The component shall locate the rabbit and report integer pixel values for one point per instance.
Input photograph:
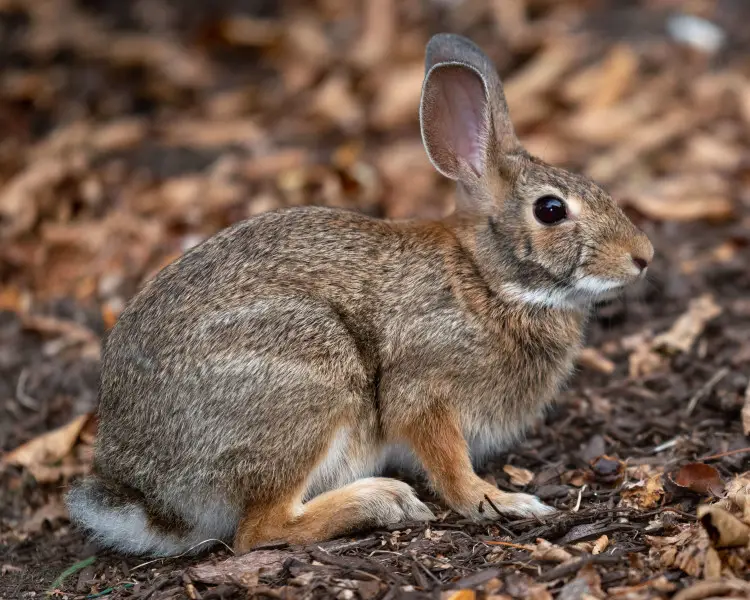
(254, 390)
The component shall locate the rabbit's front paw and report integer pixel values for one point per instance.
(386, 501)
(487, 502)
(519, 505)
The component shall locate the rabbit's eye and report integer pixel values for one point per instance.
(550, 210)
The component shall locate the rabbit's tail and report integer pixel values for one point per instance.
(122, 523)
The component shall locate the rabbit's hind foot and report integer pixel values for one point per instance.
(364, 504)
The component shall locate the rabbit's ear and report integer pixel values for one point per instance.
(463, 114)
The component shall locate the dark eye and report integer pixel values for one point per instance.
(550, 210)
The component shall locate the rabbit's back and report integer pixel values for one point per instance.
(241, 358)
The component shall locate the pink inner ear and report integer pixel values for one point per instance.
(462, 94)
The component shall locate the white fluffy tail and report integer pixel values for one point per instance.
(123, 525)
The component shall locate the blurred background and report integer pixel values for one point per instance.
(132, 130)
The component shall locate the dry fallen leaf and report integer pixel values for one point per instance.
(46, 474)
(49, 447)
(604, 84)
(644, 494)
(690, 208)
(714, 589)
(659, 584)
(397, 98)
(245, 569)
(538, 592)
(587, 585)
(67, 333)
(685, 551)
(643, 360)
(52, 511)
(334, 101)
(591, 358)
(459, 595)
(648, 136)
(746, 412)
(518, 476)
(712, 566)
(738, 494)
(600, 545)
(699, 478)
(21, 196)
(576, 477)
(380, 24)
(546, 551)
(724, 529)
(688, 327)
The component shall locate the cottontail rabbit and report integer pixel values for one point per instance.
(253, 388)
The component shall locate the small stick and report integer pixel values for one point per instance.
(727, 453)
(705, 390)
(500, 525)
(23, 398)
(188, 551)
(508, 544)
(578, 502)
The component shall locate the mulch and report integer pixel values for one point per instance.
(132, 131)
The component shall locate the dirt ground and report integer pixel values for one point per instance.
(133, 130)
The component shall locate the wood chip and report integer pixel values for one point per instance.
(519, 476)
(591, 358)
(686, 329)
(246, 568)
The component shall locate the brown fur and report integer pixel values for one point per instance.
(329, 515)
(249, 387)
(440, 446)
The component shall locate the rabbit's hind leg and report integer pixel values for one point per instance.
(364, 504)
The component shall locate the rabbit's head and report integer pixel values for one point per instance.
(540, 234)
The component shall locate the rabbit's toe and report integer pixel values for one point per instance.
(389, 501)
(487, 502)
(526, 505)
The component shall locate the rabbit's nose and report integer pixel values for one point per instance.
(641, 251)
(639, 262)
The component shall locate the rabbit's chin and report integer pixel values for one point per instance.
(590, 289)
(582, 295)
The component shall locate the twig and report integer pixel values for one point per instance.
(188, 551)
(23, 398)
(429, 573)
(508, 544)
(353, 563)
(704, 390)
(666, 445)
(500, 525)
(577, 507)
(723, 454)
(572, 567)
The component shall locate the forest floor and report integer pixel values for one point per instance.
(131, 131)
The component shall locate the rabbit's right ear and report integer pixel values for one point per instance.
(463, 114)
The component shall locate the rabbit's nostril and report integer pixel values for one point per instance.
(641, 263)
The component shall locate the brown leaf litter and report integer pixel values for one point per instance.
(133, 131)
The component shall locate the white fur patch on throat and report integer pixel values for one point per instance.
(596, 286)
(559, 299)
(585, 290)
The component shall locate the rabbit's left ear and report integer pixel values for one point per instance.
(463, 114)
